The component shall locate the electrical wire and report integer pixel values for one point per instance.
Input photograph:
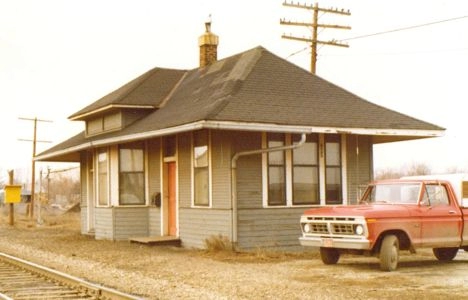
(404, 28)
(388, 31)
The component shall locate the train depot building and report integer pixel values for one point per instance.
(238, 147)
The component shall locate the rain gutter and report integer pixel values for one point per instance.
(234, 214)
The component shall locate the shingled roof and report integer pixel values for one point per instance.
(253, 90)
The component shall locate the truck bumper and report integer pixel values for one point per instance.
(341, 243)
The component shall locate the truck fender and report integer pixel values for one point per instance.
(403, 238)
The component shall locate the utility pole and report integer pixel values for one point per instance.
(315, 25)
(33, 162)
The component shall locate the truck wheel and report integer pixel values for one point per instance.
(445, 254)
(329, 256)
(389, 252)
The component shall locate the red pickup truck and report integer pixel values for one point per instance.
(393, 215)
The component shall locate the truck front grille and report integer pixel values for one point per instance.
(343, 228)
(331, 226)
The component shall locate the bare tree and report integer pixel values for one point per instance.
(414, 169)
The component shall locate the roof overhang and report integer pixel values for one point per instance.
(379, 135)
(110, 107)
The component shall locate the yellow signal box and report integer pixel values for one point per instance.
(12, 193)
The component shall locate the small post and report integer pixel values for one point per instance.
(11, 217)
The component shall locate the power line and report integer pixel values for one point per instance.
(404, 28)
(392, 31)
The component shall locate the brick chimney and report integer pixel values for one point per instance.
(208, 43)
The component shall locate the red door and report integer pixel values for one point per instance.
(172, 203)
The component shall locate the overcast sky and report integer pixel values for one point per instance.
(57, 56)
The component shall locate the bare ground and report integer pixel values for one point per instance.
(175, 273)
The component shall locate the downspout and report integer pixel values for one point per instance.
(234, 178)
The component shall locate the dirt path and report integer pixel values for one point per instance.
(175, 273)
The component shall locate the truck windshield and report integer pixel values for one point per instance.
(396, 193)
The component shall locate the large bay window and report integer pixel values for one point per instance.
(131, 174)
(201, 195)
(297, 176)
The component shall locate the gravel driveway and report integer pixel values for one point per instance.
(174, 273)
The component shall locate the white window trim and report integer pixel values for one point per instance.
(192, 171)
(288, 171)
(96, 175)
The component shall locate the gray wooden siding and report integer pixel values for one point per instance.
(154, 215)
(83, 220)
(359, 168)
(130, 222)
(221, 168)
(249, 170)
(269, 228)
(196, 225)
(121, 223)
(184, 169)
(104, 227)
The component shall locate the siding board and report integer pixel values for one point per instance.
(269, 228)
(359, 168)
(196, 225)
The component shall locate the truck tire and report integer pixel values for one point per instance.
(389, 253)
(329, 256)
(445, 254)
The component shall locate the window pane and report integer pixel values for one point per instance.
(332, 154)
(276, 186)
(333, 185)
(201, 168)
(169, 143)
(201, 186)
(132, 188)
(131, 174)
(103, 195)
(305, 185)
(131, 160)
(436, 195)
(200, 156)
(306, 154)
(275, 157)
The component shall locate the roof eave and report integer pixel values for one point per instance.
(380, 135)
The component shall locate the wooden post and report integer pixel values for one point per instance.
(12, 208)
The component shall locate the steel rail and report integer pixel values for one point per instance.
(94, 290)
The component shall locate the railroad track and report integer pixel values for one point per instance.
(20, 279)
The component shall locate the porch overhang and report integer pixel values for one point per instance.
(380, 135)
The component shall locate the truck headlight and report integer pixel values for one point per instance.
(306, 228)
(359, 229)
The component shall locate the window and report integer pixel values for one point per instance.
(435, 194)
(201, 168)
(169, 143)
(131, 174)
(306, 171)
(103, 178)
(308, 175)
(276, 171)
(333, 192)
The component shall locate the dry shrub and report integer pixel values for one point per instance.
(218, 243)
